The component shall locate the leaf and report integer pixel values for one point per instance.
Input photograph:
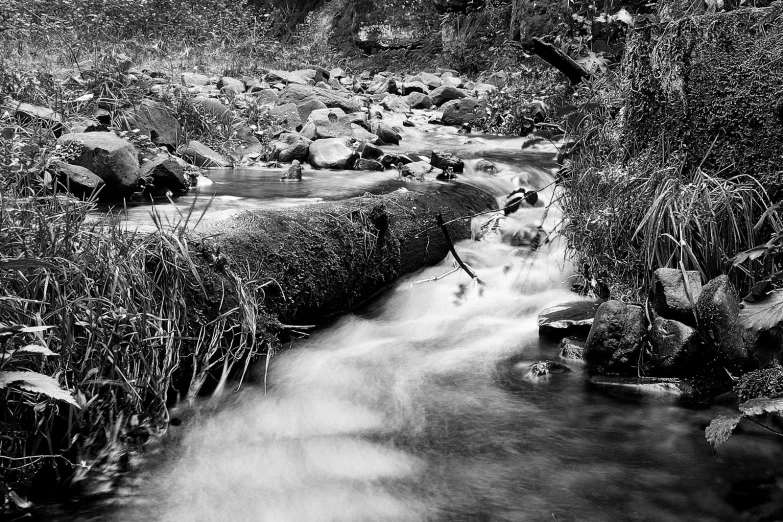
(752, 254)
(625, 17)
(763, 315)
(20, 264)
(37, 349)
(720, 429)
(761, 405)
(36, 383)
(759, 291)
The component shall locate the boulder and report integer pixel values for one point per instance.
(572, 349)
(670, 298)
(616, 337)
(718, 309)
(307, 107)
(267, 97)
(417, 100)
(446, 93)
(195, 80)
(360, 133)
(573, 318)
(302, 77)
(544, 368)
(44, 117)
(308, 131)
(498, 79)
(228, 85)
(483, 88)
(323, 85)
(294, 172)
(444, 160)
(332, 153)
(77, 180)
(157, 121)
(636, 386)
(673, 348)
(202, 156)
(395, 104)
(112, 159)
(163, 174)
(419, 170)
(332, 127)
(330, 98)
(325, 112)
(486, 167)
(459, 112)
(370, 151)
(387, 134)
(392, 160)
(336, 73)
(254, 85)
(287, 116)
(367, 164)
(291, 146)
(359, 118)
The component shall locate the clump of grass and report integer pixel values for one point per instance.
(121, 322)
(629, 212)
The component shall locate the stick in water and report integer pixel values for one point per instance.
(462, 265)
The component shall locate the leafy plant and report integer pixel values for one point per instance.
(721, 427)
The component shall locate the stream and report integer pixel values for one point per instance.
(416, 408)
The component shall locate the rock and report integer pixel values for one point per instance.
(336, 73)
(163, 174)
(334, 83)
(419, 170)
(616, 337)
(195, 80)
(395, 104)
(718, 312)
(112, 159)
(417, 100)
(446, 93)
(392, 160)
(254, 85)
(452, 81)
(670, 297)
(324, 114)
(157, 121)
(543, 368)
(359, 118)
(294, 172)
(387, 135)
(301, 77)
(432, 81)
(367, 164)
(673, 347)
(307, 107)
(360, 133)
(308, 131)
(267, 97)
(332, 127)
(383, 85)
(370, 151)
(444, 160)
(287, 116)
(498, 79)
(323, 85)
(332, 99)
(409, 87)
(202, 156)
(332, 153)
(483, 88)
(231, 85)
(485, 166)
(27, 114)
(572, 349)
(291, 146)
(77, 180)
(459, 112)
(572, 318)
(656, 386)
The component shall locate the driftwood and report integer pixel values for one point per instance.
(325, 259)
(560, 61)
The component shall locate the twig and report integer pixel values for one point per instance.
(462, 265)
(436, 277)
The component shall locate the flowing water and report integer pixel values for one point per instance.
(416, 408)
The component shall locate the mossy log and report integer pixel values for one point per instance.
(326, 258)
(710, 87)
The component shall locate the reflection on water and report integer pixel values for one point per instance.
(415, 409)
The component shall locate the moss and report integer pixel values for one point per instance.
(760, 383)
(709, 86)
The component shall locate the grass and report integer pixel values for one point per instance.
(629, 212)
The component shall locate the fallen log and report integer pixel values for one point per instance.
(560, 61)
(326, 258)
